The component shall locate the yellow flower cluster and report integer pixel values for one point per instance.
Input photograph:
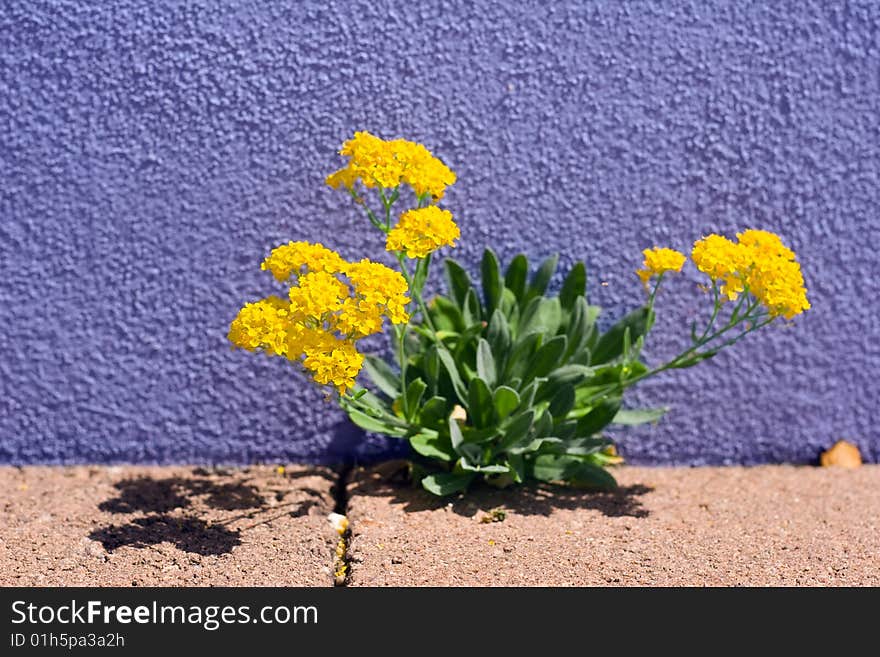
(422, 231)
(775, 277)
(332, 305)
(263, 325)
(659, 260)
(296, 257)
(387, 164)
(722, 260)
(380, 289)
(757, 262)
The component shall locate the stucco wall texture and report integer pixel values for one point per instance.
(153, 152)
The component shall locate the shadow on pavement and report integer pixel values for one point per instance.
(186, 533)
(156, 500)
(534, 499)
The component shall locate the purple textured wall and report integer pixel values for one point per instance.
(152, 153)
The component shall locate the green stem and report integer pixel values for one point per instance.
(654, 291)
(400, 332)
(370, 215)
(693, 352)
(417, 294)
(716, 307)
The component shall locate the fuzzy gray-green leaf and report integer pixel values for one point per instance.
(486, 363)
(492, 287)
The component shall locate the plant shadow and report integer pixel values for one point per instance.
(169, 510)
(186, 533)
(530, 499)
(162, 495)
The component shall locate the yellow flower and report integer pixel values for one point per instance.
(333, 361)
(263, 325)
(359, 318)
(345, 177)
(325, 316)
(379, 286)
(723, 261)
(773, 276)
(779, 285)
(294, 257)
(422, 171)
(387, 164)
(765, 243)
(420, 232)
(317, 294)
(659, 260)
(761, 264)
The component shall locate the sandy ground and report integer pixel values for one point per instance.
(135, 526)
(776, 525)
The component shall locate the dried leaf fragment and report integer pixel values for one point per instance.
(844, 454)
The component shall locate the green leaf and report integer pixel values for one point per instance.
(474, 435)
(458, 281)
(447, 483)
(485, 363)
(611, 344)
(574, 286)
(569, 375)
(515, 278)
(423, 265)
(570, 469)
(534, 445)
(542, 277)
(588, 475)
(581, 327)
(549, 467)
(465, 339)
(517, 467)
(517, 430)
(430, 365)
(523, 351)
(455, 434)
(541, 315)
(546, 358)
(626, 354)
(432, 446)
(375, 403)
(509, 306)
(599, 417)
(447, 315)
(527, 395)
(381, 374)
(585, 446)
(375, 425)
(485, 469)
(498, 335)
(696, 358)
(636, 416)
(414, 393)
(479, 403)
(471, 311)
(565, 429)
(562, 402)
(433, 413)
(454, 377)
(492, 288)
(470, 454)
(506, 401)
(543, 425)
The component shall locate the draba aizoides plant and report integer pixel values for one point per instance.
(500, 381)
